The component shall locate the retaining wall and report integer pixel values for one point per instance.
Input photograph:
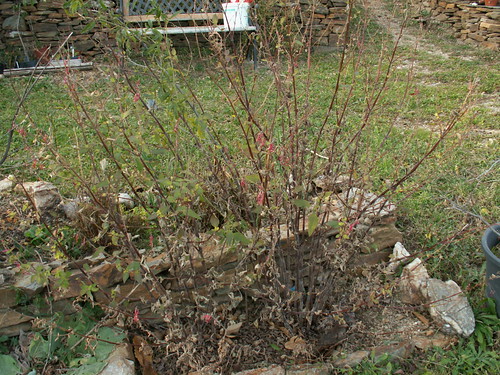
(475, 24)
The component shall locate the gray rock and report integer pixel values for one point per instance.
(70, 208)
(413, 280)
(119, 362)
(450, 308)
(126, 200)
(15, 22)
(27, 285)
(7, 184)
(45, 195)
(358, 200)
(399, 255)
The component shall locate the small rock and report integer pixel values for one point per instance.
(271, 370)
(400, 350)
(381, 237)
(450, 308)
(70, 209)
(7, 183)
(27, 285)
(352, 359)
(45, 195)
(438, 340)
(126, 200)
(413, 279)
(313, 369)
(399, 255)
(119, 362)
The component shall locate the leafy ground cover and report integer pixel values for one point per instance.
(444, 206)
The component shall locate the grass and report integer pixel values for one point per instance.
(448, 203)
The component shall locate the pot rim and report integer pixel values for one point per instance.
(488, 237)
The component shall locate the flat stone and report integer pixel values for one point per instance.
(381, 237)
(437, 340)
(8, 296)
(103, 276)
(450, 308)
(15, 329)
(352, 359)
(312, 369)
(84, 45)
(15, 23)
(44, 27)
(27, 285)
(271, 370)
(6, 5)
(9, 317)
(399, 350)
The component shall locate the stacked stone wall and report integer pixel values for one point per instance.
(475, 24)
(26, 26)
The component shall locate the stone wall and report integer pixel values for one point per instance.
(328, 18)
(25, 28)
(475, 24)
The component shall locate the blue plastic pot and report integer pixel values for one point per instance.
(491, 238)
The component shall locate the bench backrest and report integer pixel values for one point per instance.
(180, 10)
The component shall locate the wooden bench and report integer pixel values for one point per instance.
(204, 16)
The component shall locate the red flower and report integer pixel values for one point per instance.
(136, 315)
(207, 318)
(137, 96)
(260, 139)
(260, 196)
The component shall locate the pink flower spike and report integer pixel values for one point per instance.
(136, 315)
(207, 318)
(260, 196)
(353, 225)
(260, 139)
(137, 96)
(243, 184)
(271, 148)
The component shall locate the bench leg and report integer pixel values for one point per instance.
(255, 54)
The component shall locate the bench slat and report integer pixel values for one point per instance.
(190, 29)
(176, 17)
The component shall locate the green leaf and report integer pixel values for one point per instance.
(301, 203)
(88, 27)
(253, 178)
(312, 223)
(333, 224)
(239, 237)
(8, 365)
(88, 369)
(193, 214)
(275, 347)
(214, 221)
(39, 347)
(103, 348)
